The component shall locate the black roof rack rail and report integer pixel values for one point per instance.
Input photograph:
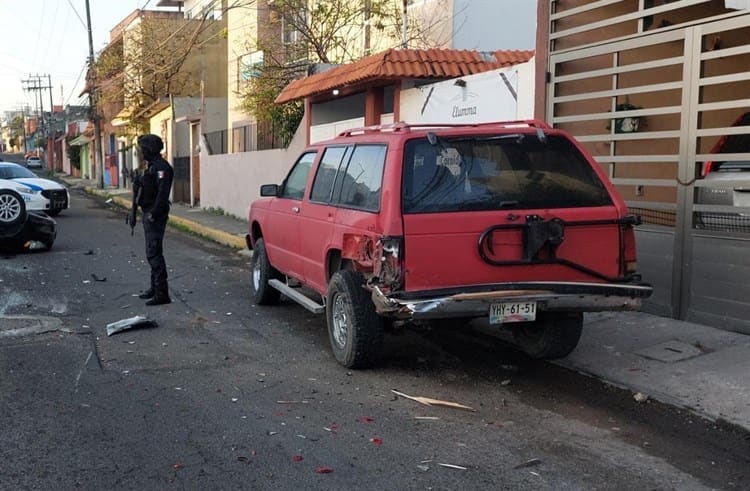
(401, 126)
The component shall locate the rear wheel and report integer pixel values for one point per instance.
(354, 328)
(262, 271)
(553, 335)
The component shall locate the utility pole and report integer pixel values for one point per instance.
(92, 104)
(23, 115)
(51, 157)
(34, 83)
(404, 23)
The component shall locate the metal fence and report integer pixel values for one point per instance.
(217, 142)
(257, 136)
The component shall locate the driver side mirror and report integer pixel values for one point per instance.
(269, 190)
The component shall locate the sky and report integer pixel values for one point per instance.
(50, 37)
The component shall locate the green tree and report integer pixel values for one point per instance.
(300, 33)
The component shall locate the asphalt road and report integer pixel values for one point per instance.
(226, 395)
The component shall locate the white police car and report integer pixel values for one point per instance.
(44, 195)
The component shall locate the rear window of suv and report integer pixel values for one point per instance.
(498, 172)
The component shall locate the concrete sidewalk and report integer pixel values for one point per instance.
(692, 366)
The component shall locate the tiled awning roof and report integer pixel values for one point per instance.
(396, 64)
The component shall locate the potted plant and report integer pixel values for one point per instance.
(629, 124)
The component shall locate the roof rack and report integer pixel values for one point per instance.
(401, 126)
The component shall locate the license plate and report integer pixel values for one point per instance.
(501, 313)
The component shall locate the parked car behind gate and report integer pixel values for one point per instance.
(729, 183)
(407, 224)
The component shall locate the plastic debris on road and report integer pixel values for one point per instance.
(427, 401)
(130, 323)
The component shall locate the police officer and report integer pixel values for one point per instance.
(156, 184)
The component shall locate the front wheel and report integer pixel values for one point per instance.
(553, 335)
(354, 328)
(262, 271)
(12, 210)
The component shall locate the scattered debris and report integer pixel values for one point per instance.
(427, 418)
(301, 436)
(452, 466)
(178, 466)
(272, 433)
(640, 397)
(376, 440)
(234, 399)
(88, 253)
(324, 470)
(293, 402)
(427, 401)
(366, 419)
(96, 278)
(130, 323)
(505, 382)
(297, 458)
(528, 463)
(423, 468)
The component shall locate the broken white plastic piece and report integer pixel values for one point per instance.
(137, 321)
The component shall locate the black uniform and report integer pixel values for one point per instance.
(156, 184)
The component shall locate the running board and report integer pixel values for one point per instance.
(298, 297)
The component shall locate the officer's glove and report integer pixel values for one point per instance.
(150, 217)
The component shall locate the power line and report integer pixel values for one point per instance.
(75, 85)
(77, 14)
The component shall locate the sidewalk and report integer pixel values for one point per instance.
(692, 366)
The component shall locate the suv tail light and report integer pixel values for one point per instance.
(388, 264)
(628, 265)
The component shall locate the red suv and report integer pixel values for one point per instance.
(386, 226)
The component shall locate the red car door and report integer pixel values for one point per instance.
(282, 228)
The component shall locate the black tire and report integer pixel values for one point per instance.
(355, 330)
(12, 209)
(553, 335)
(262, 271)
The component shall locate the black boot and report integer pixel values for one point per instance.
(159, 298)
(147, 294)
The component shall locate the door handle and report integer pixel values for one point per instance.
(295, 209)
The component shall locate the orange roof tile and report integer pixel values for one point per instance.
(395, 64)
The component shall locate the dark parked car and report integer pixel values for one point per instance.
(21, 229)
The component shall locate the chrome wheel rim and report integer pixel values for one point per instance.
(10, 208)
(256, 275)
(340, 321)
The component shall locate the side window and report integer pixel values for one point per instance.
(294, 185)
(361, 183)
(326, 174)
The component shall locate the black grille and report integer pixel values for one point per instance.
(58, 198)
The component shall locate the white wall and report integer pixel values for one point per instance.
(485, 98)
(232, 181)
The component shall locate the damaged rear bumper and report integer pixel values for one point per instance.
(476, 301)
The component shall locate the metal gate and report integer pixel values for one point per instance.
(653, 110)
(181, 183)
